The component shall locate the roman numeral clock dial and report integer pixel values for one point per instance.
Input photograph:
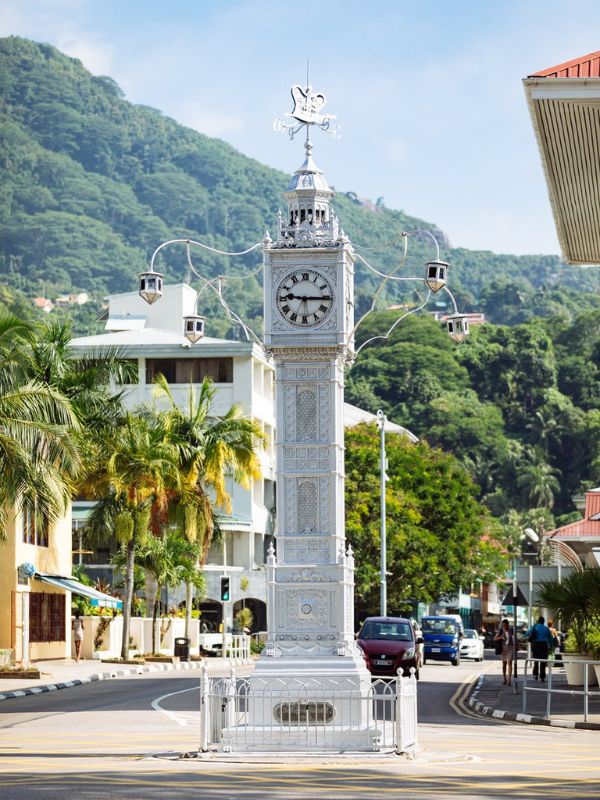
(304, 298)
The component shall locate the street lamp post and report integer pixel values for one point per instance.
(381, 420)
(532, 536)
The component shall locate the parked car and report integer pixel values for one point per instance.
(389, 644)
(442, 635)
(471, 645)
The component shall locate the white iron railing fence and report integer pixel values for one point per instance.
(236, 647)
(550, 689)
(242, 714)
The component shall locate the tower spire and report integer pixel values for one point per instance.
(309, 221)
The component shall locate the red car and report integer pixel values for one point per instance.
(389, 644)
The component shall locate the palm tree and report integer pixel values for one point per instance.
(39, 460)
(210, 447)
(543, 429)
(86, 381)
(575, 601)
(171, 559)
(538, 482)
(133, 485)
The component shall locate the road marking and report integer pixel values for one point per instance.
(457, 699)
(172, 715)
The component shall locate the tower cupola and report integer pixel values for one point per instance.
(309, 219)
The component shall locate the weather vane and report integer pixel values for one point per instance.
(308, 107)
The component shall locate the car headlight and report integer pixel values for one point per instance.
(410, 653)
(454, 641)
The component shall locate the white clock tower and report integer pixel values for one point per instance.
(309, 275)
(309, 318)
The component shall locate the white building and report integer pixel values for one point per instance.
(152, 336)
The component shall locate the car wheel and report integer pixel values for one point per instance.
(424, 661)
(455, 662)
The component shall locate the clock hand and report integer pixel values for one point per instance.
(304, 297)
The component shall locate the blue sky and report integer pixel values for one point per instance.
(428, 92)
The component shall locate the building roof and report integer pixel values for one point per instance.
(582, 67)
(564, 103)
(586, 528)
(354, 416)
(157, 342)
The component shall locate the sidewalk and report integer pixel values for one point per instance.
(491, 697)
(62, 674)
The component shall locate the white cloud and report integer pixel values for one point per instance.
(96, 56)
(56, 21)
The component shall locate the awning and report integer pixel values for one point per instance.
(69, 584)
(564, 103)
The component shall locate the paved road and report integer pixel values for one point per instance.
(102, 741)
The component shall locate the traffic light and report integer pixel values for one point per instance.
(224, 588)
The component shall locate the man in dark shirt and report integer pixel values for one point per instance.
(540, 637)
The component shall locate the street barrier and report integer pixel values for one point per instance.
(236, 648)
(252, 714)
(549, 691)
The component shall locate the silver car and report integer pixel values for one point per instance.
(471, 645)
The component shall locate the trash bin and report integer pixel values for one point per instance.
(182, 648)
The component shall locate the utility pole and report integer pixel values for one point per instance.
(381, 420)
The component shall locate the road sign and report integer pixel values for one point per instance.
(508, 599)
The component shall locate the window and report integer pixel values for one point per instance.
(47, 617)
(190, 370)
(33, 531)
(392, 631)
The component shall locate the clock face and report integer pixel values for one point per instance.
(304, 298)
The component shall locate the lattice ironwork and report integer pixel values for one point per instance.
(47, 617)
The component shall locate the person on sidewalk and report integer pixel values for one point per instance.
(555, 641)
(77, 627)
(541, 640)
(505, 636)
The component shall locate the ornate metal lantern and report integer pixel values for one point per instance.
(150, 286)
(436, 273)
(193, 327)
(458, 327)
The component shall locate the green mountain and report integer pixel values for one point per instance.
(92, 184)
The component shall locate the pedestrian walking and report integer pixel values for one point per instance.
(555, 641)
(505, 637)
(541, 640)
(77, 627)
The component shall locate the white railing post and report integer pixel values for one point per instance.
(231, 699)
(549, 690)
(406, 714)
(398, 714)
(415, 710)
(204, 709)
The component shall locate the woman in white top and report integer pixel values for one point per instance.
(77, 627)
(505, 635)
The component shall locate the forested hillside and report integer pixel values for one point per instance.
(92, 183)
(518, 405)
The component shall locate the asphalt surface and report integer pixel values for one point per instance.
(113, 740)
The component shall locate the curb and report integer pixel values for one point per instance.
(100, 676)
(528, 719)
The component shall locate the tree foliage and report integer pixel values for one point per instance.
(439, 537)
(518, 406)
